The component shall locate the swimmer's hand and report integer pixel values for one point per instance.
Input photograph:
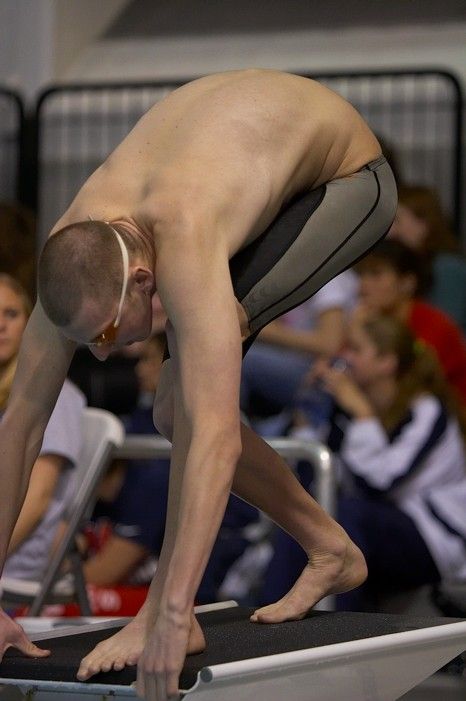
(162, 660)
(12, 635)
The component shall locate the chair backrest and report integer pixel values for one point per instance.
(102, 432)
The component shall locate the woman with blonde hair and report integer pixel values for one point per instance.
(422, 225)
(50, 484)
(17, 223)
(17, 315)
(397, 437)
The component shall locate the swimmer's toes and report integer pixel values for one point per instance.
(92, 664)
(84, 674)
(279, 612)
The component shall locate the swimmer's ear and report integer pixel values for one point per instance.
(143, 279)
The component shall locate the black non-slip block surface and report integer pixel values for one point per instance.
(230, 636)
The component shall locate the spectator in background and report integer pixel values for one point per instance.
(421, 224)
(274, 367)
(392, 277)
(132, 513)
(395, 432)
(51, 483)
(18, 245)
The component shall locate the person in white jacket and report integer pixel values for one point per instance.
(396, 432)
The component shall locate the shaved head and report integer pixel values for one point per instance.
(79, 262)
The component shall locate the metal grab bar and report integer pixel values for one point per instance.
(147, 447)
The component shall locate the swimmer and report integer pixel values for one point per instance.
(235, 198)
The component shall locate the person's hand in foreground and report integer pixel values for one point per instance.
(12, 635)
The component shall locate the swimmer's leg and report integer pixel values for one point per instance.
(264, 479)
(313, 238)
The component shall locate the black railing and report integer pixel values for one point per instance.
(11, 141)
(419, 115)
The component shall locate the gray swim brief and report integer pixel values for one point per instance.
(314, 238)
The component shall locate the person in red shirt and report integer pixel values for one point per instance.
(393, 279)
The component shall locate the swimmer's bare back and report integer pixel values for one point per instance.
(233, 148)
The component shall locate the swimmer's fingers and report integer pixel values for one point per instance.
(28, 648)
(12, 635)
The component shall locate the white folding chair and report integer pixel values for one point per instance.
(102, 432)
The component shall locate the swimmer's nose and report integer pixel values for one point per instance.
(101, 352)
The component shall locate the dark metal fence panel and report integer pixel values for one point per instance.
(11, 123)
(418, 114)
(78, 127)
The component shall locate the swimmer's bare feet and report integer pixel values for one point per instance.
(196, 642)
(125, 647)
(334, 571)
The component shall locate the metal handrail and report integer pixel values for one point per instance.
(147, 447)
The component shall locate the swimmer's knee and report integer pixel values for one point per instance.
(163, 411)
(162, 417)
(243, 320)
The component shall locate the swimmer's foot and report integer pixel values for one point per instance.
(196, 641)
(334, 572)
(125, 647)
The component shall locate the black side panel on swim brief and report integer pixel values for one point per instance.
(249, 265)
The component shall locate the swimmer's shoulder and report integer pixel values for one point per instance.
(242, 80)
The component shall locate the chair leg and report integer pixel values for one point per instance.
(80, 583)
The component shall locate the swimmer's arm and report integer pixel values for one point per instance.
(42, 484)
(115, 562)
(44, 359)
(196, 291)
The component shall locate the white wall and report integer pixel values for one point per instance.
(172, 57)
(78, 24)
(40, 39)
(26, 44)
